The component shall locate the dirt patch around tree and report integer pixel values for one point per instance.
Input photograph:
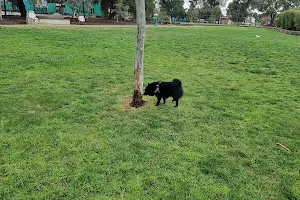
(126, 105)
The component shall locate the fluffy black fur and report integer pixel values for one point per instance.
(163, 90)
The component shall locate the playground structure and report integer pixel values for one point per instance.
(42, 7)
(6, 6)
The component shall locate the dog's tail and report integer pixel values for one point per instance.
(176, 82)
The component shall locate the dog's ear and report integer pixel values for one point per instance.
(148, 83)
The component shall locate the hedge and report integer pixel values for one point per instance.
(289, 20)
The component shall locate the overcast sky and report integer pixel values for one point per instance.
(186, 5)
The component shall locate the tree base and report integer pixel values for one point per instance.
(137, 100)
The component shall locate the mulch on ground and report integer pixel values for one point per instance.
(15, 20)
(12, 20)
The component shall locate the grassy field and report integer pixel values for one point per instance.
(65, 132)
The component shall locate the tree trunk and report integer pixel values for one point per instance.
(0, 12)
(73, 13)
(21, 7)
(104, 7)
(139, 54)
(61, 9)
(83, 9)
(272, 20)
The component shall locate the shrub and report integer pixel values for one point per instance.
(290, 23)
(284, 20)
(297, 20)
(289, 20)
(278, 21)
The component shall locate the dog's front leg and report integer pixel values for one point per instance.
(164, 100)
(158, 101)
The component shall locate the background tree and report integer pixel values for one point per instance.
(215, 14)
(174, 8)
(121, 10)
(272, 7)
(131, 5)
(192, 12)
(88, 5)
(255, 15)
(212, 3)
(209, 12)
(163, 17)
(149, 6)
(108, 8)
(77, 5)
(206, 9)
(238, 10)
(74, 5)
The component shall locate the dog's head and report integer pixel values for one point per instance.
(149, 90)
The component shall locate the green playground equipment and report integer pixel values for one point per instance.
(50, 8)
(95, 11)
(8, 6)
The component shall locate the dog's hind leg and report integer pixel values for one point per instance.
(176, 100)
(164, 100)
(158, 101)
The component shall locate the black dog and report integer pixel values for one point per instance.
(163, 90)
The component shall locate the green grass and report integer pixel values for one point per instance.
(64, 132)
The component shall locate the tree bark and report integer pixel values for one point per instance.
(137, 99)
(83, 9)
(272, 20)
(61, 9)
(4, 2)
(21, 7)
(73, 13)
(104, 7)
(0, 11)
